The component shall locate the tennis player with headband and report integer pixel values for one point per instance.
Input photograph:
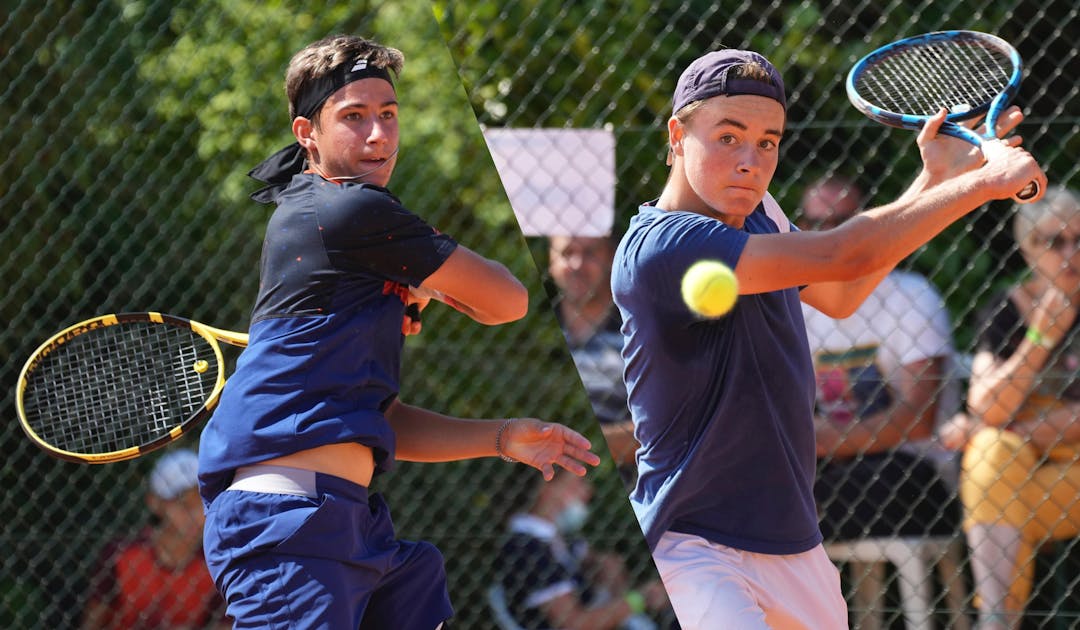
(724, 409)
(292, 537)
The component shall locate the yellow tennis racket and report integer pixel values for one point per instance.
(118, 386)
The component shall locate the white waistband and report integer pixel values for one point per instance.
(275, 480)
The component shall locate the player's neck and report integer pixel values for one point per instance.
(678, 194)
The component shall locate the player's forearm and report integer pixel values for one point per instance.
(840, 300)
(885, 235)
(483, 289)
(426, 436)
(480, 316)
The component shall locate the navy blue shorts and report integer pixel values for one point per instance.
(325, 561)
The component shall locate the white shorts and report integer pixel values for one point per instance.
(713, 586)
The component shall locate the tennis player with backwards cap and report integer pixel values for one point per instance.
(292, 537)
(723, 408)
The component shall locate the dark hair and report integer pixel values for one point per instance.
(319, 59)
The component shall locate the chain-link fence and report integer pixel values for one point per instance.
(131, 126)
(541, 64)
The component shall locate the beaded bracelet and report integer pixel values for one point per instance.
(498, 441)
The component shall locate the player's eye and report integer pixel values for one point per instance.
(768, 145)
(728, 138)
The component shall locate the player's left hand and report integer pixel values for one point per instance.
(543, 445)
(945, 157)
(417, 302)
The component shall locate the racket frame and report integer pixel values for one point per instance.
(992, 109)
(209, 333)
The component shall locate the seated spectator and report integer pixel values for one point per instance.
(1020, 481)
(580, 267)
(881, 382)
(158, 579)
(550, 578)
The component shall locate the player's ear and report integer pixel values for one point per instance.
(304, 132)
(676, 133)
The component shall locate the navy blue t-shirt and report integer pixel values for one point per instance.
(324, 355)
(723, 408)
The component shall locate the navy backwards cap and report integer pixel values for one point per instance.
(278, 169)
(707, 77)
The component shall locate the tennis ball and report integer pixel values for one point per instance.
(710, 288)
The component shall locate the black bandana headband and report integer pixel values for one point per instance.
(278, 169)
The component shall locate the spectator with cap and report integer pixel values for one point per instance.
(158, 579)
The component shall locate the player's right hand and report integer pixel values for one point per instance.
(417, 302)
(1009, 169)
(544, 445)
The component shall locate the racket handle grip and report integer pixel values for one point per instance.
(1028, 193)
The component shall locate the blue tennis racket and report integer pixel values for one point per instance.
(968, 73)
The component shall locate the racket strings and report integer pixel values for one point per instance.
(957, 75)
(118, 387)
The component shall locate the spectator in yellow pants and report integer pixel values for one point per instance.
(1021, 470)
(1015, 502)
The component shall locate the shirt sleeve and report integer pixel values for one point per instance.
(370, 231)
(678, 241)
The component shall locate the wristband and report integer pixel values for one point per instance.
(636, 602)
(498, 441)
(1034, 336)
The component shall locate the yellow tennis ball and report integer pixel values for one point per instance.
(710, 288)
